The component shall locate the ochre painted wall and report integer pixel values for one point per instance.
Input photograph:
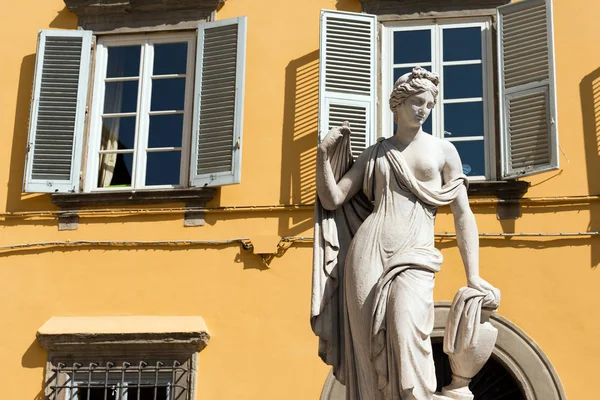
(262, 346)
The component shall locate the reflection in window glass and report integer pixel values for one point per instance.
(167, 94)
(472, 155)
(462, 44)
(120, 97)
(123, 61)
(118, 133)
(412, 47)
(462, 81)
(170, 58)
(463, 119)
(165, 130)
(116, 170)
(163, 168)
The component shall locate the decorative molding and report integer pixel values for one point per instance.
(110, 15)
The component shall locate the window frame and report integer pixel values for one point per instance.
(91, 150)
(437, 25)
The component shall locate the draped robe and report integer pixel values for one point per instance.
(373, 271)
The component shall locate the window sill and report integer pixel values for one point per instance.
(512, 189)
(73, 201)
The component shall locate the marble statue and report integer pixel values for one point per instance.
(375, 260)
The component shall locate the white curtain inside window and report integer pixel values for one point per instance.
(110, 126)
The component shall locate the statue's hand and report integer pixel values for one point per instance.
(333, 136)
(492, 293)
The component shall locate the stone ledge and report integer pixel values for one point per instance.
(505, 190)
(427, 8)
(112, 15)
(75, 334)
(72, 201)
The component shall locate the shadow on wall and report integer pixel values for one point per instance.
(589, 90)
(15, 200)
(299, 142)
(35, 357)
(348, 5)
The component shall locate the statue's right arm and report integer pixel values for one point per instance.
(333, 194)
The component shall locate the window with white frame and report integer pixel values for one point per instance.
(165, 110)
(142, 104)
(468, 110)
(459, 53)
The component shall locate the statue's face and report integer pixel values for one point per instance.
(415, 109)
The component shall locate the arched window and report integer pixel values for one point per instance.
(518, 369)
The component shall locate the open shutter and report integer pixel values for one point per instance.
(56, 123)
(347, 75)
(218, 103)
(528, 123)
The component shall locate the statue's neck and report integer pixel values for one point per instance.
(405, 135)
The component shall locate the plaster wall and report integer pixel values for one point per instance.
(262, 346)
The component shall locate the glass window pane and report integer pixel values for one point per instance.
(162, 168)
(472, 155)
(96, 393)
(165, 130)
(462, 44)
(463, 119)
(115, 170)
(167, 94)
(147, 393)
(412, 46)
(398, 72)
(427, 125)
(120, 97)
(170, 58)
(123, 61)
(462, 81)
(118, 133)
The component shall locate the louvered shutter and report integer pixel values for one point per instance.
(347, 75)
(56, 123)
(219, 103)
(528, 123)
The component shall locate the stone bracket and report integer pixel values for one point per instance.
(193, 215)
(68, 220)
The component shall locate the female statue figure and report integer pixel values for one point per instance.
(375, 260)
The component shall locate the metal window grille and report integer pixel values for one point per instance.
(123, 380)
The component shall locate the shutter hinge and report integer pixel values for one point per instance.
(28, 149)
(237, 144)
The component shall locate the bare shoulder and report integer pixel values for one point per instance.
(444, 149)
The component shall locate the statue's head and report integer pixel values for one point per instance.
(414, 95)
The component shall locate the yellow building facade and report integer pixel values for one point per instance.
(254, 292)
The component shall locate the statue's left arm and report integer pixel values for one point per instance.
(467, 235)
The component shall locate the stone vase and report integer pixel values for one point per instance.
(467, 364)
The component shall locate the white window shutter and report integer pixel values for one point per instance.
(347, 75)
(528, 123)
(218, 103)
(57, 118)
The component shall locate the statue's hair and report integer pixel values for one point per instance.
(418, 81)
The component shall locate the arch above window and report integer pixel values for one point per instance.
(516, 351)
